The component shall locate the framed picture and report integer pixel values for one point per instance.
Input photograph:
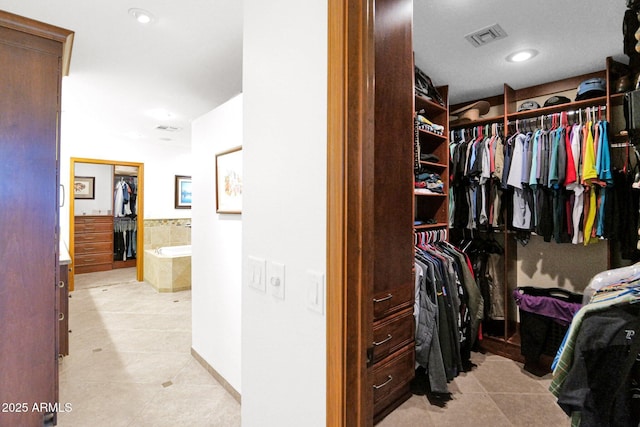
(229, 181)
(183, 192)
(84, 187)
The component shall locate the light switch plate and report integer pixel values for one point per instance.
(315, 291)
(257, 273)
(275, 273)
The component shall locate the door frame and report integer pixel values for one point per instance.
(350, 130)
(139, 218)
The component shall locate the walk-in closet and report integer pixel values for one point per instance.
(525, 198)
(106, 215)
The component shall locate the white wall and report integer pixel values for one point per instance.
(102, 203)
(284, 213)
(216, 239)
(550, 264)
(82, 137)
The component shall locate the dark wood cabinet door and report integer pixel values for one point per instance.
(29, 121)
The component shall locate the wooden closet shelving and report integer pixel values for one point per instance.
(433, 208)
(507, 343)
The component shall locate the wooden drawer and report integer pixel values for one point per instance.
(93, 218)
(92, 259)
(93, 238)
(93, 246)
(391, 379)
(392, 333)
(395, 299)
(93, 226)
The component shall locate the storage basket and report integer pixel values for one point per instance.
(545, 316)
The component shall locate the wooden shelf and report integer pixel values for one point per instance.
(576, 105)
(429, 106)
(426, 133)
(480, 122)
(434, 206)
(431, 226)
(434, 165)
(430, 194)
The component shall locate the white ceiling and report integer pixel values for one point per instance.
(187, 62)
(572, 37)
(190, 59)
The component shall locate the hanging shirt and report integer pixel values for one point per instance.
(589, 171)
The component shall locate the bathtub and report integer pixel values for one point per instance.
(174, 251)
(168, 269)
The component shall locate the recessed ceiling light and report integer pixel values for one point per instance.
(134, 135)
(141, 15)
(522, 55)
(161, 114)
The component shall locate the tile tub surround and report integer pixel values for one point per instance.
(167, 274)
(166, 232)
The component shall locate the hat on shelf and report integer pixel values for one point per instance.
(528, 105)
(591, 88)
(556, 100)
(471, 112)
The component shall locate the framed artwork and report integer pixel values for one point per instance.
(229, 181)
(84, 187)
(183, 192)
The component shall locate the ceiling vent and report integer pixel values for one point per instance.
(486, 35)
(168, 128)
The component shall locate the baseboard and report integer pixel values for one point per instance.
(225, 384)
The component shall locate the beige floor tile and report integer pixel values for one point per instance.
(531, 410)
(105, 404)
(412, 413)
(506, 376)
(190, 405)
(468, 410)
(137, 368)
(130, 363)
(150, 340)
(467, 382)
(195, 374)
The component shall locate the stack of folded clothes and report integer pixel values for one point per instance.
(428, 182)
(428, 125)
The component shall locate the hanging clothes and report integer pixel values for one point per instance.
(555, 178)
(124, 238)
(603, 333)
(448, 309)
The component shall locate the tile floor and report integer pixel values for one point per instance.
(130, 365)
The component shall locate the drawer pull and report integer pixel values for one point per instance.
(378, 387)
(388, 297)
(61, 284)
(383, 341)
(61, 316)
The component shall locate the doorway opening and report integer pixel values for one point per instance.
(106, 228)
